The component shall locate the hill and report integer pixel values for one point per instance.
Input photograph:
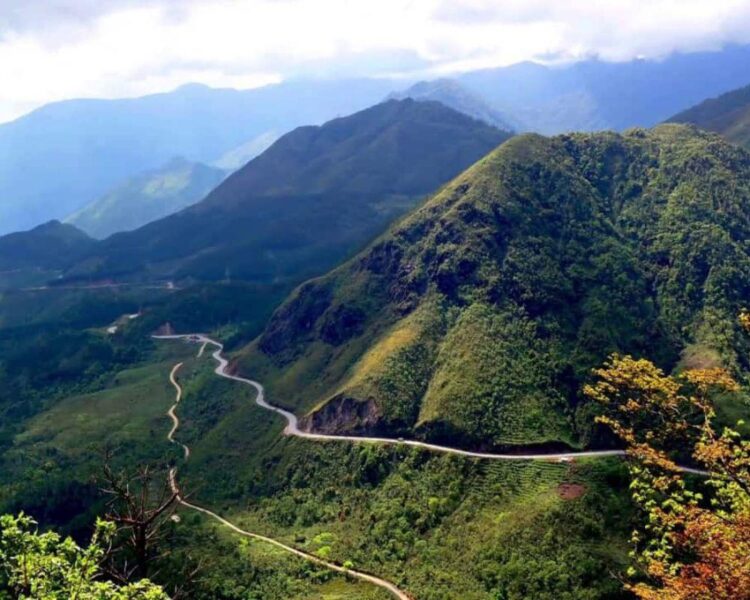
(95, 144)
(451, 93)
(727, 115)
(315, 196)
(147, 197)
(476, 319)
(48, 246)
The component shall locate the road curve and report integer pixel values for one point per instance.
(382, 583)
(171, 414)
(292, 427)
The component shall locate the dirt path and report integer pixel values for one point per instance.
(382, 583)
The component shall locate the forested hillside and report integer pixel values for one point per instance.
(48, 246)
(477, 318)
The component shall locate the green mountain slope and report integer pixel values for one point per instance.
(147, 197)
(315, 196)
(476, 318)
(47, 246)
(728, 115)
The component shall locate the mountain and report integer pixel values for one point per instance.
(315, 196)
(476, 319)
(451, 93)
(244, 153)
(47, 246)
(727, 115)
(95, 144)
(65, 155)
(147, 197)
(593, 94)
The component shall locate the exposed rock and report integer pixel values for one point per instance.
(343, 414)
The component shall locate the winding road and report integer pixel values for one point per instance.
(292, 429)
(292, 426)
(382, 583)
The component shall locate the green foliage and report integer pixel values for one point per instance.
(539, 261)
(499, 361)
(44, 566)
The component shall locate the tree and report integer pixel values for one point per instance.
(44, 566)
(139, 508)
(691, 545)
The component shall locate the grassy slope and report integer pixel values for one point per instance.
(147, 197)
(728, 115)
(48, 471)
(440, 526)
(477, 317)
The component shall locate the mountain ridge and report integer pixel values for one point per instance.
(727, 115)
(346, 176)
(509, 285)
(147, 197)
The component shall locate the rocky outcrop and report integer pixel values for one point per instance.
(341, 415)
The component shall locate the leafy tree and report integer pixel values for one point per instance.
(44, 566)
(690, 546)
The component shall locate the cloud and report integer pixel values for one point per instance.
(55, 49)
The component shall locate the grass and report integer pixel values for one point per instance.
(67, 440)
(439, 526)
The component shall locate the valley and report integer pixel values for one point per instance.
(405, 314)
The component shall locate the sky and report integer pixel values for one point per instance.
(58, 49)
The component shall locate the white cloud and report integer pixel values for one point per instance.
(55, 49)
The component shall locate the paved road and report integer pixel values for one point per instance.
(292, 427)
(382, 583)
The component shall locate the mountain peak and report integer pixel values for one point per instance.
(454, 95)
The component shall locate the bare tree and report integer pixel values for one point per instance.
(140, 504)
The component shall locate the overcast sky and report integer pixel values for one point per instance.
(56, 49)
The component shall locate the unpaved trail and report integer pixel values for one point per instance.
(292, 429)
(373, 579)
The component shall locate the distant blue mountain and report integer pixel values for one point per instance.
(65, 155)
(593, 94)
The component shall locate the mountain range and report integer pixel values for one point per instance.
(476, 319)
(412, 271)
(594, 95)
(454, 95)
(97, 145)
(65, 155)
(315, 196)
